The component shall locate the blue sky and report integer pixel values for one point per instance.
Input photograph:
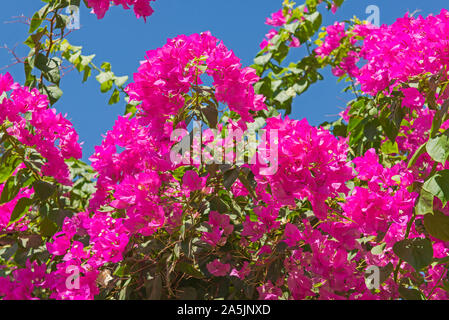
(122, 40)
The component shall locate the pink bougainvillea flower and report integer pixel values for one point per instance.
(277, 19)
(334, 8)
(218, 269)
(312, 164)
(34, 124)
(6, 82)
(335, 33)
(168, 73)
(292, 235)
(412, 98)
(221, 229)
(244, 271)
(269, 292)
(270, 35)
(192, 181)
(142, 8)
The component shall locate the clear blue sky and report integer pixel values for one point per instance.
(122, 40)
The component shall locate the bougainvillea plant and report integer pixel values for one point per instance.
(182, 201)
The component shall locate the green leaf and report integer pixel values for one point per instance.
(338, 3)
(276, 41)
(285, 95)
(120, 81)
(20, 209)
(10, 190)
(291, 27)
(417, 252)
(84, 62)
(120, 271)
(339, 128)
(230, 176)
(438, 185)
(437, 225)
(425, 203)
(54, 74)
(53, 92)
(35, 22)
(47, 227)
(264, 87)
(87, 73)
(356, 129)
(189, 269)
(281, 52)
(125, 289)
(179, 172)
(217, 204)
(75, 2)
(5, 172)
(389, 147)
(371, 130)
(44, 10)
(211, 114)
(33, 41)
(7, 167)
(106, 66)
(390, 119)
(316, 19)
(49, 67)
(74, 58)
(130, 108)
(377, 250)
(385, 272)
(263, 59)
(61, 21)
(154, 288)
(438, 147)
(301, 86)
(410, 293)
(105, 76)
(43, 189)
(115, 97)
(274, 270)
(106, 86)
(106, 79)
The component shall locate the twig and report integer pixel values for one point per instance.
(13, 53)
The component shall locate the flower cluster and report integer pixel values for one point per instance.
(24, 282)
(220, 229)
(407, 48)
(27, 117)
(335, 33)
(129, 179)
(142, 8)
(390, 61)
(278, 19)
(392, 54)
(7, 209)
(385, 201)
(305, 230)
(169, 73)
(327, 263)
(282, 16)
(312, 164)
